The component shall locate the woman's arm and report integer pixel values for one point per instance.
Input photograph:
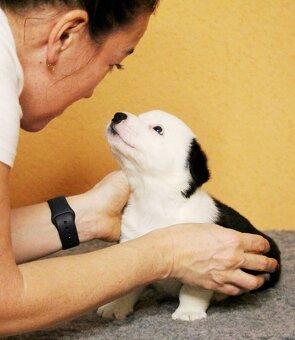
(59, 289)
(63, 288)
(97, 216)
(43, 293)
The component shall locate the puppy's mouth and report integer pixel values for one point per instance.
(115, 132)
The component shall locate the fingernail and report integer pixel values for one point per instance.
(277, 268)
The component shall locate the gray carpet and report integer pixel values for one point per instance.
(264, 315)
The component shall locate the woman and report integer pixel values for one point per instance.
(53, 53)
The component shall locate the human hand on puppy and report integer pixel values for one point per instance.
(98, 211)
(213, 257)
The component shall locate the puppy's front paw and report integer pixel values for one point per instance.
(115, 310)
(186, 314)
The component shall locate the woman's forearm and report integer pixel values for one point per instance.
(34, 235)
(97, 211)
(59, 289)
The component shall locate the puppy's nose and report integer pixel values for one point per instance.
(118, 117)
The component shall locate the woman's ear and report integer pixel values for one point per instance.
(64, 32)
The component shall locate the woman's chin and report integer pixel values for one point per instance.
(33, 126)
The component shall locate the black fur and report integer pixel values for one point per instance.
(197, 164)
(228, 217)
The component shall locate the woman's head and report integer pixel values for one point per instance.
(104, 16)
(67, 47)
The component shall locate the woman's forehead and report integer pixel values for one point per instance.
(127, 38)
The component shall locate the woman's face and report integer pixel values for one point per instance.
(48, 91)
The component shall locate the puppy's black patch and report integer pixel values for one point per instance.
(197, 164)
(230, 218)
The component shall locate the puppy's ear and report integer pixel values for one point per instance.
(197, 164)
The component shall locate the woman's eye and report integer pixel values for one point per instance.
(119, 66)
(158, 129)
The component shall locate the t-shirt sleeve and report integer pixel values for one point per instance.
(10, 110)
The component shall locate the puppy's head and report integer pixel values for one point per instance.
(160, 145)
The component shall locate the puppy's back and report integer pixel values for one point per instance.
(229, 218)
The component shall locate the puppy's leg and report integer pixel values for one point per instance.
(193, 303)
(121, 307)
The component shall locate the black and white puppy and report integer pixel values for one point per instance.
(166, 168)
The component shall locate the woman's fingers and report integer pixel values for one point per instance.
(245, 281)
(229, 289)
(259, 263)
(257, 244)
(237, 282)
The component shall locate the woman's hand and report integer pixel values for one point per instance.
(212, 257)
(103, 204)
(98, 214)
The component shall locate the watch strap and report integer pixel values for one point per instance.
(63, 217)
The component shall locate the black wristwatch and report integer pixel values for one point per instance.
(63, 217)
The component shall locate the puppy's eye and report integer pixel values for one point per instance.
(158, 129)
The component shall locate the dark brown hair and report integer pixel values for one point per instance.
(105, 16)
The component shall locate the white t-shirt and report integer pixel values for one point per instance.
(11, 84)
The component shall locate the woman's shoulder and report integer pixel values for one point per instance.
(10, 67)
(11, 84)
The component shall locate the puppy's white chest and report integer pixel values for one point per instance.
(144, 214)
(139, 219)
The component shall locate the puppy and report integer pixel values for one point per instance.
(166, 168)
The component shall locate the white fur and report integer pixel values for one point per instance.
(156, 168)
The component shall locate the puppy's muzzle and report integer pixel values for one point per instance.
(118, 118)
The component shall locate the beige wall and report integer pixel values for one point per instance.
(228, 69)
